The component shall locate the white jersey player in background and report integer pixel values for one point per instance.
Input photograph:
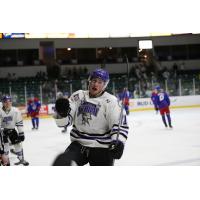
(10, 118)
(99, 128)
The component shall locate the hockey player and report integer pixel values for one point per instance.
(10, 118)
(153, 99)
(162, 102)
(33, 110)
(124, 97)
(100, 128)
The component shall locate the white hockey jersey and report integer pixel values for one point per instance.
(95, 120)
(11, 119)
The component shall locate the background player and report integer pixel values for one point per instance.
(153, 99)
(162, 102)
(33, 110)
(10, 118)
(124, 96)
(97, 136)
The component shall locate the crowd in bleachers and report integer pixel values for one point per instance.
(141, 80)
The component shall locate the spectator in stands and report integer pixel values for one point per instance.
(182, 66)
(138, 72)
(165, 73)
(85, 70)
(143, 72)
(175, 70)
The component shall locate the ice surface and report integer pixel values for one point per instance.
(149, 142)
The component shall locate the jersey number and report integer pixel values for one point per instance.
(161, 97)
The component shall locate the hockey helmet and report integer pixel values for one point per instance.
(101, 74)
(59, 95)
(6, 98)
(30, 101)
(35, 99)
(157, 88)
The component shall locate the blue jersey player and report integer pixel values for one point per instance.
(161, 102)
(124, 97)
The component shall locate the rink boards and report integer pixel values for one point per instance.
(176, 102)
(135, 105)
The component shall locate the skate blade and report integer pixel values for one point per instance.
(25, 163)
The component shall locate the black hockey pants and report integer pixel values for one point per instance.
(76, 154)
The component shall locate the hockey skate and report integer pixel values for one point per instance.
(22, 162)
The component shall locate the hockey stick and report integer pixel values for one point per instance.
(120, 120)
(119, 124)
(128, 67)
(122, 106)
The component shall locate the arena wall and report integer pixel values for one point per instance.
(176, 102)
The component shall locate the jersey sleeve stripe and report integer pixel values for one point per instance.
(90, 137)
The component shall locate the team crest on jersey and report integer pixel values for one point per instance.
(7, 120)
(87, 109)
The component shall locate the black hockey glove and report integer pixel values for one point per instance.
(116, 149)
(21, 137)
(62, 107)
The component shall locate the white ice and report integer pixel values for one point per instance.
(149, 142)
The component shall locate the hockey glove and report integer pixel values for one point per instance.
(21, 137)
(62, 107)
(116, 149)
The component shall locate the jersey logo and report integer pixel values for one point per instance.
(87, 109)
(161, 96)
(7, 120)
(85, 118)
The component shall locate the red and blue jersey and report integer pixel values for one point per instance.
(153, 98)
(162, 100)
(125, 96)
(34, 107)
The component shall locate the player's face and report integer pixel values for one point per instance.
(155, 91)
(7, 104)
(96, 86)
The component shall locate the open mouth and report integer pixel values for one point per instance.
(94, 89)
